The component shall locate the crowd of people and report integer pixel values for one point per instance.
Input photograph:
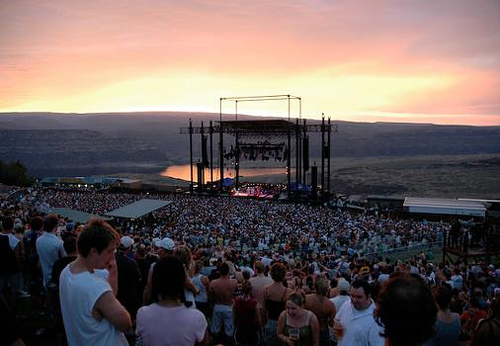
(254, 224)
(238, 271)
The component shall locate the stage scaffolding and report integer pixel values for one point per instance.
(279, 135)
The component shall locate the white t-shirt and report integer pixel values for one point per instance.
(176, 326)
(13, 240)
(360, 327)
(339, 300)
(50, 248)
(78, 295)
(457, 281)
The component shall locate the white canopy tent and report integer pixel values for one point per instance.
(444, 207)
(138, 209)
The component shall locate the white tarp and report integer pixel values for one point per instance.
(444, 206)
(138, 209)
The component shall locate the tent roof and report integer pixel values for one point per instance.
(77, 216)
(444, 206)
(139, 208)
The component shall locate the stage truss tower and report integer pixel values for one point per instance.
(281, 135)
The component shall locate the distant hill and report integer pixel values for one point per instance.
(52, 144)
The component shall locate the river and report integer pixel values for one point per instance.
(184, 172)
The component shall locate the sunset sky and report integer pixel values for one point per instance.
(396, 60)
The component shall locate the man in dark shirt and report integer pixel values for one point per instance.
(129, 277)
(53, 287)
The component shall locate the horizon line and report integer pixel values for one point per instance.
(393, 117)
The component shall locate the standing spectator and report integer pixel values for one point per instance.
(49, 247)
(457, 279)
(92, 315)
(167, 321)
(57, 268)
(19, 230)
(406, 310)
(33, 273)
(470, 318)
(183, 253)
(59, 265)
(202, 284)
(275, 296)
(259, 281)
(488, 329)
(164, 248)
(221, 293)
(245, 267)
(10, 268)
(129, 277)
(247, 317)
(343, 297)
(354, 322)
(144, 262)
(343, 288)
(296, 325)
(322, 307)
(447, 322)
(295, 284)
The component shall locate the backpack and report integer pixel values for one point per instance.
(7, 257)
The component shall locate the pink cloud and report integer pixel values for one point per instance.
(45, 44)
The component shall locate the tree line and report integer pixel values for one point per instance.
(14, 174)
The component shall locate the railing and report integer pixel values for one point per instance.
(406, 250)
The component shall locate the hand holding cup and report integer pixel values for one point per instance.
(338, 329)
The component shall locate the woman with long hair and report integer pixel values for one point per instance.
(322, 307)
(202, 284)
(183, 253)
(447, 322)
(275, 296)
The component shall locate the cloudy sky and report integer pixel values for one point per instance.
(375, 60)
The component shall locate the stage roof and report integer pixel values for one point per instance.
(138, 209)
(258, 126)
(444, 206)
(77, 216)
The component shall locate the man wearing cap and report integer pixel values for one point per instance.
(129, 277)
(343, 288)
(164, 247)
(339, 300)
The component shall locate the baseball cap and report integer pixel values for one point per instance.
(343, 285)
(165, 243)
(364, 270)
(126, 242)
